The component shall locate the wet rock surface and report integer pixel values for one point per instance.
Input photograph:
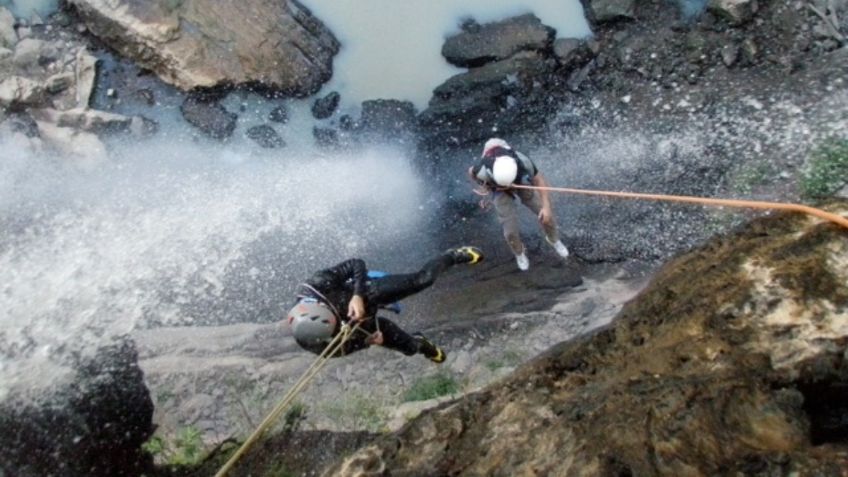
(653, 104)
(725, 363)
(192, 44)
(478, 44)
(92, 427)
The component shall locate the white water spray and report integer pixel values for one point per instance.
(178, 233)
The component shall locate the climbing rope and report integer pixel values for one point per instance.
(335, 345)
(748, 204)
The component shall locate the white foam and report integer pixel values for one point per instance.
(179, 233)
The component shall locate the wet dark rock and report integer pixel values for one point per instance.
(326, 137)
(93, 427)
(22, 123)
(324, 107)
(497, 41)
(347, 123)
(147, 96)
(266, 136)
(606, 11)
(501, 96)
(209, 116)
(279, 115)
(737, 12)
(572, 53)
(387, 116)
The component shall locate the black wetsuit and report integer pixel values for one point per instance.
(337, 285)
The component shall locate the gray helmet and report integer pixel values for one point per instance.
(312, 322)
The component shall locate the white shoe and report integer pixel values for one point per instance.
(561, 249)
(523, 262)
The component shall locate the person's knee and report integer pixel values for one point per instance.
(425, 278)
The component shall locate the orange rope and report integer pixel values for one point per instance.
(748, 204)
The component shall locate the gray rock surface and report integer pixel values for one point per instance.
(209, 116)
(194, 43)
(605, 11)
(736, 12)
(240, 371)
(477, 44)
(8, 37)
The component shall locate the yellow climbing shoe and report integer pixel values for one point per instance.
(428, 349)
(467, 254)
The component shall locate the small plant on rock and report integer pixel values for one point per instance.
(827, 169)
(430, 387)
(184, 450)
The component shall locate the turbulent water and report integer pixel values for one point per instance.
(179, 233)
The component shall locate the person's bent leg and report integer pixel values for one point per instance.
(508, 217)
(391, 288)
(395, 338)
(533, 202)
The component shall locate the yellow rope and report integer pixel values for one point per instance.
(307, 376)
(750, 204)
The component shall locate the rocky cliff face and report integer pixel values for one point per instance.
(731, 361)
(191, 44)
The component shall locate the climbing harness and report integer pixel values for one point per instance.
(749, 204)
(335, 345)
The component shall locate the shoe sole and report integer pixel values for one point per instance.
(476, 256)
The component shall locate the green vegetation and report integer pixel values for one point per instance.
(508, 358)
(294, 417)
(278, 469)
(827, 169)
(185, 448)
(433, 386)
(356, 411)
(751, 175)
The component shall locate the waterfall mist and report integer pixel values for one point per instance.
(181, 233)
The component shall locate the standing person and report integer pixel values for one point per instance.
(498, 170)
(348, 287)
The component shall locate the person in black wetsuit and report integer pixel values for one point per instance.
(346, 292)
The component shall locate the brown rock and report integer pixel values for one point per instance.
(197, 43)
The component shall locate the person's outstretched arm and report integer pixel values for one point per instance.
(546, 213)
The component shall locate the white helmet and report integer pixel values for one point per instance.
(312, 322)
(504, 171)
(493, 143)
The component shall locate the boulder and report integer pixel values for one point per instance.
(326, 138)
(84, 119)
(28, 52)
(733, 361)
(737, 12)
(59, 82)
(208, 116)
(84, 148)
(477, 44)
(93, 427)
(324, 107)
(572, 53)
(605, 11)
(507, 95)
(195, 43)
(266, 136)
(279, 115)
(18, 93)
(388, 116)
(8, 37)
